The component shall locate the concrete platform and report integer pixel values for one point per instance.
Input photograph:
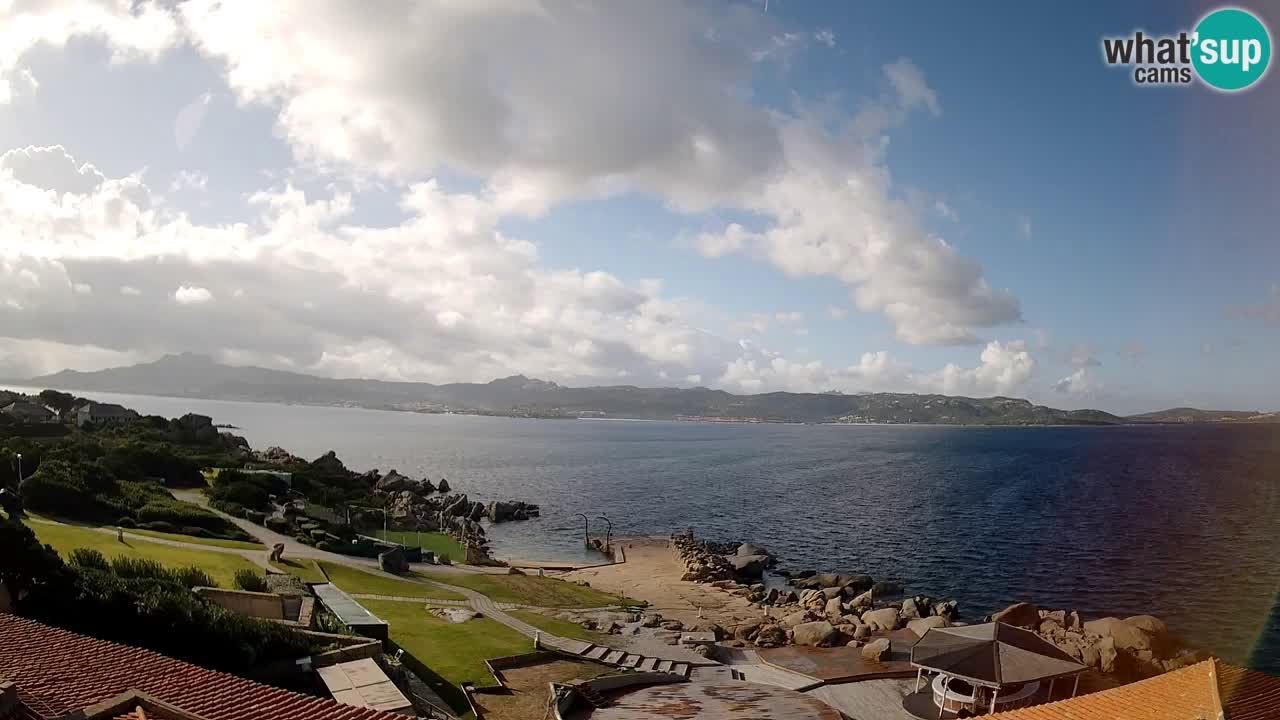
(843, 664)
(712, 701)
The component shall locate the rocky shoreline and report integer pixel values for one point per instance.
(827, 610)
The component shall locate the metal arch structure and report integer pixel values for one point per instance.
(586, 529)
(608, 535)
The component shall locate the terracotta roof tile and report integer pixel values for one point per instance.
(1196, 692)
(58, 672)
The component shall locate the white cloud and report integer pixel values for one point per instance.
(793, 317)
(1004, 368)
(192, 295)
(537, 133)
(1080, 382)
(825, 37)
(837, 313)
(129, 290)
(189, 180)
(130, 28)
(945, 210)
(82, 288)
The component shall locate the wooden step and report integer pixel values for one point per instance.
(649, 665)
(665, 666)
(615, 657)
(631, 660)
(681, 669)
(597, 652)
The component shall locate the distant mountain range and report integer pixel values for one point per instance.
(198, 376)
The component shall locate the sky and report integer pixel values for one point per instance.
(937, 197)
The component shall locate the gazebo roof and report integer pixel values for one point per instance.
(992, 654)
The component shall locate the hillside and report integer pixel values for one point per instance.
(200, 377)
(1195, 415)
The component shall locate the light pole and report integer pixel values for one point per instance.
(608, 535)
(586, 529)
(19, 471)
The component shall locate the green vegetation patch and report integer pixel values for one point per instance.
(65, 539)
(438, 543)
(195, 540)
(354, 580)
(454, 651)
(563, 628)
(301, 568)
(530, 590)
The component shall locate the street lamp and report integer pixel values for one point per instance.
(19, 471)
(586, 529)
(608, 532)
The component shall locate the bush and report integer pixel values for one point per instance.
(89, 558)
(159, 526)
(230, 508)
(251, 580)
(193, 577)
(278, 524)
(196, 532)
(255, 517)
(130, 567)
(443, 559)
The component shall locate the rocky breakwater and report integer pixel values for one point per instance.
(420, 505)
(1130, 648)
(815, 609)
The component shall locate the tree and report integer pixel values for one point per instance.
(60, 401)
(25, 564)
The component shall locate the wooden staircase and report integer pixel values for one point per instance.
(631, 661)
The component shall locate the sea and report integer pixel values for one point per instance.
(1181, 522)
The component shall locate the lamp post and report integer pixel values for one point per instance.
(19, 471)
(586, 529)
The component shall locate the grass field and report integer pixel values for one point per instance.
(455, 651)
(563, 628)
(221, 566)
(354, 580)
(305, 570)
(439, 543)
(530, 590)
(213, 542)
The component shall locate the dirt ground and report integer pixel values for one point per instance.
(652, 573)
(529, 689)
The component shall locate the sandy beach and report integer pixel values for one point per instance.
(652, 573)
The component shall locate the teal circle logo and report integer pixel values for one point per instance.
(1232, 49)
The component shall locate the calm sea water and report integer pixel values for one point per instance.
(1180, 522)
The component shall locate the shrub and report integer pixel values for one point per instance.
(89, 558)
(196, 532)
(126, 522)
(230, 508)
(193, 577)
(251, 580)
(129, 567)
(159, 526)
(443, 559)
(278, 524)
(255, 517)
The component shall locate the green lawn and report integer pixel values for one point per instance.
(303, 569)
(563, 628)
(455, 651)
(221, 567)
(214, 542)
(439, 543)
(529, 590)
(354, 580)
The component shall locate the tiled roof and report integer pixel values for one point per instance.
(1196, 692)
(58, 672)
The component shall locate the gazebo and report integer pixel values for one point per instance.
(994, 660)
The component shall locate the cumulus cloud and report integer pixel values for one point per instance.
(1083, 355)
(130, 28)
(837, 313)
(192, 295)
(537, 133)
(1080, 382)
(189, 181)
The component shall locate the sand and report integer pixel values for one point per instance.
(652, 573)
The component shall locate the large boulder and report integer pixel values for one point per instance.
(815, 634)
(1155, 629)
(797, 618)
(771, 636)
(1024, 615)
(1107, 655)
(910, 611)
(833, 607)
(885, 588)
(883, 619)
(749, 549)
(749, 566)
(875, 650)
(748, 629)
(948, 609)
(854, 584)
(394, 482)
(920, 626)
(1126, 636)
(863, 600)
